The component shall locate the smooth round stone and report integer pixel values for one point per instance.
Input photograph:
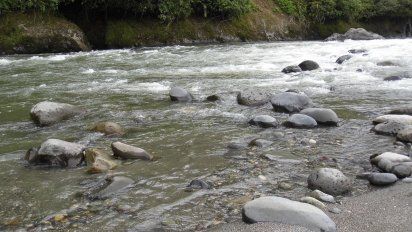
(290, 102)
(388, 128)
(126, 151)
(300, 121)
(386, 165)
(313, 201)
(382, 179)
(108, 128)
(407, 180)
(344, 58)
(180, 95)
(400, 118)
(292, 69)
(308, 65)
(322, 196)
(393, 157)
(264, 121)
(322, 115)
(330, 181)
(282, 210)
(253, 98)
(47, 113)
(402, 170)
(405, 134)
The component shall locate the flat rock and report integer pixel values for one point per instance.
(402, 170)
(47, 113)
(108, 128)
(179, 94)
(253, 98)
(308, 65)
(292, 69)
(282, 210)
(382, 179)
(264, 121)
(343, 58)
(126, 151)
(322, 196)
(404, 119)
(290, 102)
(300, 121)
(330, 181)
(388, 128)
(405, 134)
(402, 110)
(98, 161)
(322, 115)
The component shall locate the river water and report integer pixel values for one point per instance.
(130, 87)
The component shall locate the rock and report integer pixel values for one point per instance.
(264, 121)
(116, 185)
(198, 184)
(289, 102)
(322, 115)
(263, 178)
(98, 161)
(402, 110)
(355, 34)
(313, 201)
(405, 134)
(357, 51)
(308, 65)
(282, 210)
(407, 180)
(213, 98)
(322, 196)
(392, 78)
(180, 95)
(385, 165)
(404, 119)
(330, 181)
(382, 179)
(57, 153)
(125, 151)
(335, 210)
(402, 170)
(388, 128)
(108, 128)
(261, 143)
(390, 156)
(292, 69)
(344, 58)
(285, 186)
(300, 121)
(47, 113)
(312, 142)
(253, 98)
(237, 146)
(386, 63)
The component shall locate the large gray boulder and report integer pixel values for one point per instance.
(253, 98)
(290, 102)
(382, 179)
(47, 113)
(330, 181)
(405, 134)
(300, 121)
(322, 115)
(57, 153)
(402, 170)
(390, 156)
(400, 118)
(126, 151)
(308, 65)
(285, 211)
(388, 128)
(264, 121)
(355, 34)
(179, 94)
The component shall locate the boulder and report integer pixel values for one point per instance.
(98, 161)
(388, 128)
(115, 185)
(386, 165)
(344, 58)
(108, 128)
(57, 153)
(330, 181)
(392, 78)
(282, 210)
(390, 156)
(357, 51)
(292, 69)
(253, 98)
(322, 196)
(213, 98)
(308, 65)
(402, 110)
(405, 134)
(322, 115)
(126, 151)
(404, 119)
(264, 121)
(402, 170)
(300, 121)
(290, 102)
(382, 179)
(47, 113)
(355, 34)
(179, 94)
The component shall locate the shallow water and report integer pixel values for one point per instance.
(131, 87)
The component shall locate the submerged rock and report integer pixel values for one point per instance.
(108, 128)
(322, 115)
(344, 58)
(290, 102)
(253, 98)
(355, 34)
(400, 118)
(382, 179)
(330, 181)
(357, 51)
(98, 161)
(300, 121)
(292, 69)
(405, 134)
(308, 65)
(47, 113)
(261, 143)
(386, 63)
(282, 210)
(402, 110)
(393, 78)
(57, 153)
(179, 94)
(388, 128)
(264, 121)
(213, 98)
(115, 185)
(126, 151)
(197, 184)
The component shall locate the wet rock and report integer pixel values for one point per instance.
(322, 115)
(392, 78)
(407, 180)
(357, 51)
(282, 210)
(126, 151)
(386, 165)
(335, 210)
(300, 121)
(264, 121)
(285, 186)
(386, 63)
(198, 184)
(322, 196)
(98, 161)
(179, 94)
(388, 128)
(308, 65)
(390, 156)
(213, 98)
(400, 118)
(116, 185)
(402, 170)
(382, 179)
(253, 98)
(57, 153)
(344, 58)
(355, 34)
(405, 134)
(289, 102)
(330, 181)
(292, 69)
(47, 113)
(313, 201)
(237, 146)
(402, 110)
(108, 128)
(261, 143)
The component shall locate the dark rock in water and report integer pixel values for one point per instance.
(344, 58)
(180, 95)
(355, 34)
(405, 134)
(322, 115)
(388, 128)
(382, 179)
(292, 69)
(126, 151)
(237, 146)
(393, 78)
(264, 121)
(308, 65)
(108, 128)
(386, 63)
(300, 121)
(261, 143)
(293, 91)
(359, 70)
(357, 51)
(402, 110)
(285, 211)
(47, 113)
(198, 184)
(115, 185)
(213, 98)
(253, 98)
(290, 102)
(57, 153)
(330, 181)
(402, 170)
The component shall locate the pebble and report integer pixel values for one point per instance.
(262, 178)
(313, 201)
(335, 210)
(322, 196)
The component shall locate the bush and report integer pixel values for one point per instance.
(295, 8)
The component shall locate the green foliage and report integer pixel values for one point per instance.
(28, 5)
(295, 8)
